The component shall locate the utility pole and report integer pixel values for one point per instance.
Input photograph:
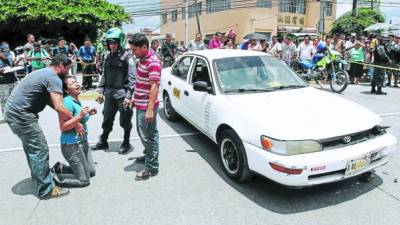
(197, 17)
(186, 22)
(321, 17)
(354, 11)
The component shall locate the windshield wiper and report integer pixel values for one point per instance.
(288, 87)
(247, 90)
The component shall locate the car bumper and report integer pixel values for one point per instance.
(321, 167)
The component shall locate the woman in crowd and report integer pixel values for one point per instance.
(74, 58)
(356, 56)
(74, 148)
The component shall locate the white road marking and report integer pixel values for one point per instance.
(109, 140)
(389, 114)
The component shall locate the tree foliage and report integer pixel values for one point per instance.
(53, 18)
(365, 17)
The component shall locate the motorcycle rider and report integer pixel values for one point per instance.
(116, 87)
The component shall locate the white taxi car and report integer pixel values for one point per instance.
(267, 120)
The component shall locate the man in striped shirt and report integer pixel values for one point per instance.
(146, 103)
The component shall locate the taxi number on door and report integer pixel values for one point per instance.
(177, 93)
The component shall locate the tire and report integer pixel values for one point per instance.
(233, 157)
(169, 110)
(339, 83)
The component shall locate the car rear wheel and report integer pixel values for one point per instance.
(169, 111)
(233, 156)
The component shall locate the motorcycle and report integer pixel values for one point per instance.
(327, 65)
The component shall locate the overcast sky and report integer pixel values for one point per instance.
(153, 22)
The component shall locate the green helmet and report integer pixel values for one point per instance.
(116, 34)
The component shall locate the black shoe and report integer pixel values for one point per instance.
(373, 91)
(101, 145)
(140, 159)
(125, 147)
(146, 174)
(381, 93)
(57, 168)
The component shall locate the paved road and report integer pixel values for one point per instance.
(191, 188)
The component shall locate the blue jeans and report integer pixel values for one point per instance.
(81, 165)
(149, 136)
(37, 153)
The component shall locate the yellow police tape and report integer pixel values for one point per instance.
(378, 66)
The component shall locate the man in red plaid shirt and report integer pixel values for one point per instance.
(146, 102)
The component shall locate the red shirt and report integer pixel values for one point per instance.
(148, 69)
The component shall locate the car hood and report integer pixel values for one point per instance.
(305, 113)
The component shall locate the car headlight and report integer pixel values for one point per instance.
(290, 147)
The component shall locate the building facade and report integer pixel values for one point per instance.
(267, 17)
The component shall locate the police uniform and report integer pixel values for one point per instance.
(7, 80)
(116, 84)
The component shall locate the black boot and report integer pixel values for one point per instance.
(380, 92)
(373, 90)
(102, 144)
(125, 147)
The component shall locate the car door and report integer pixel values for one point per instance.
(198, 104)
(177, 81)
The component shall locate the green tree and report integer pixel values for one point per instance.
(73, 19)
(348, 23)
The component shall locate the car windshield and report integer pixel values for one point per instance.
(255, 74)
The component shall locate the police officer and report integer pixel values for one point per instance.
(115, 89)
(381, 58)
(7, 80)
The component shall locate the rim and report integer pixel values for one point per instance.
(339, 80)
(230, 156)
(167, 107)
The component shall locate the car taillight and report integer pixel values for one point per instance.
(282, 169)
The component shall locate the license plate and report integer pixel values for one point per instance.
(356, 165)
(177, 93)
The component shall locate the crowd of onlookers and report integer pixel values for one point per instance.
(361, 52)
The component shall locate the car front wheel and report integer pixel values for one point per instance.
(233, 156)
(169, 111)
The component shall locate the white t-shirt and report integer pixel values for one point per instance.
(276, 49)
(306, 51)
(349, 44)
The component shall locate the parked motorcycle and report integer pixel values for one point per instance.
(326, 65)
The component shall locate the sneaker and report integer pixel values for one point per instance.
(57, 192)
(125, 147)
(140, 159)
(146, 174)
(101, 145)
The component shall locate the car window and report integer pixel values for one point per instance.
(200, 72)
(254, 72)
(181, 69)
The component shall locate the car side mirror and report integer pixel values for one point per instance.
(201, 86)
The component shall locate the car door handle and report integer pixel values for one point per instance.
(169, 82)
(186, 93)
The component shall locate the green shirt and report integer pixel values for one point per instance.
(38, 64)
(357, 55)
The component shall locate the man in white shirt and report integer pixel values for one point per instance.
(306, 50)
(196, 44)
(276, 48)
(350, 43)
(254, 45)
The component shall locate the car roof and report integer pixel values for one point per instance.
(212, 54)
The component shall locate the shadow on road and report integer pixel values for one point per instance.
(24, 187)
(275, 197)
